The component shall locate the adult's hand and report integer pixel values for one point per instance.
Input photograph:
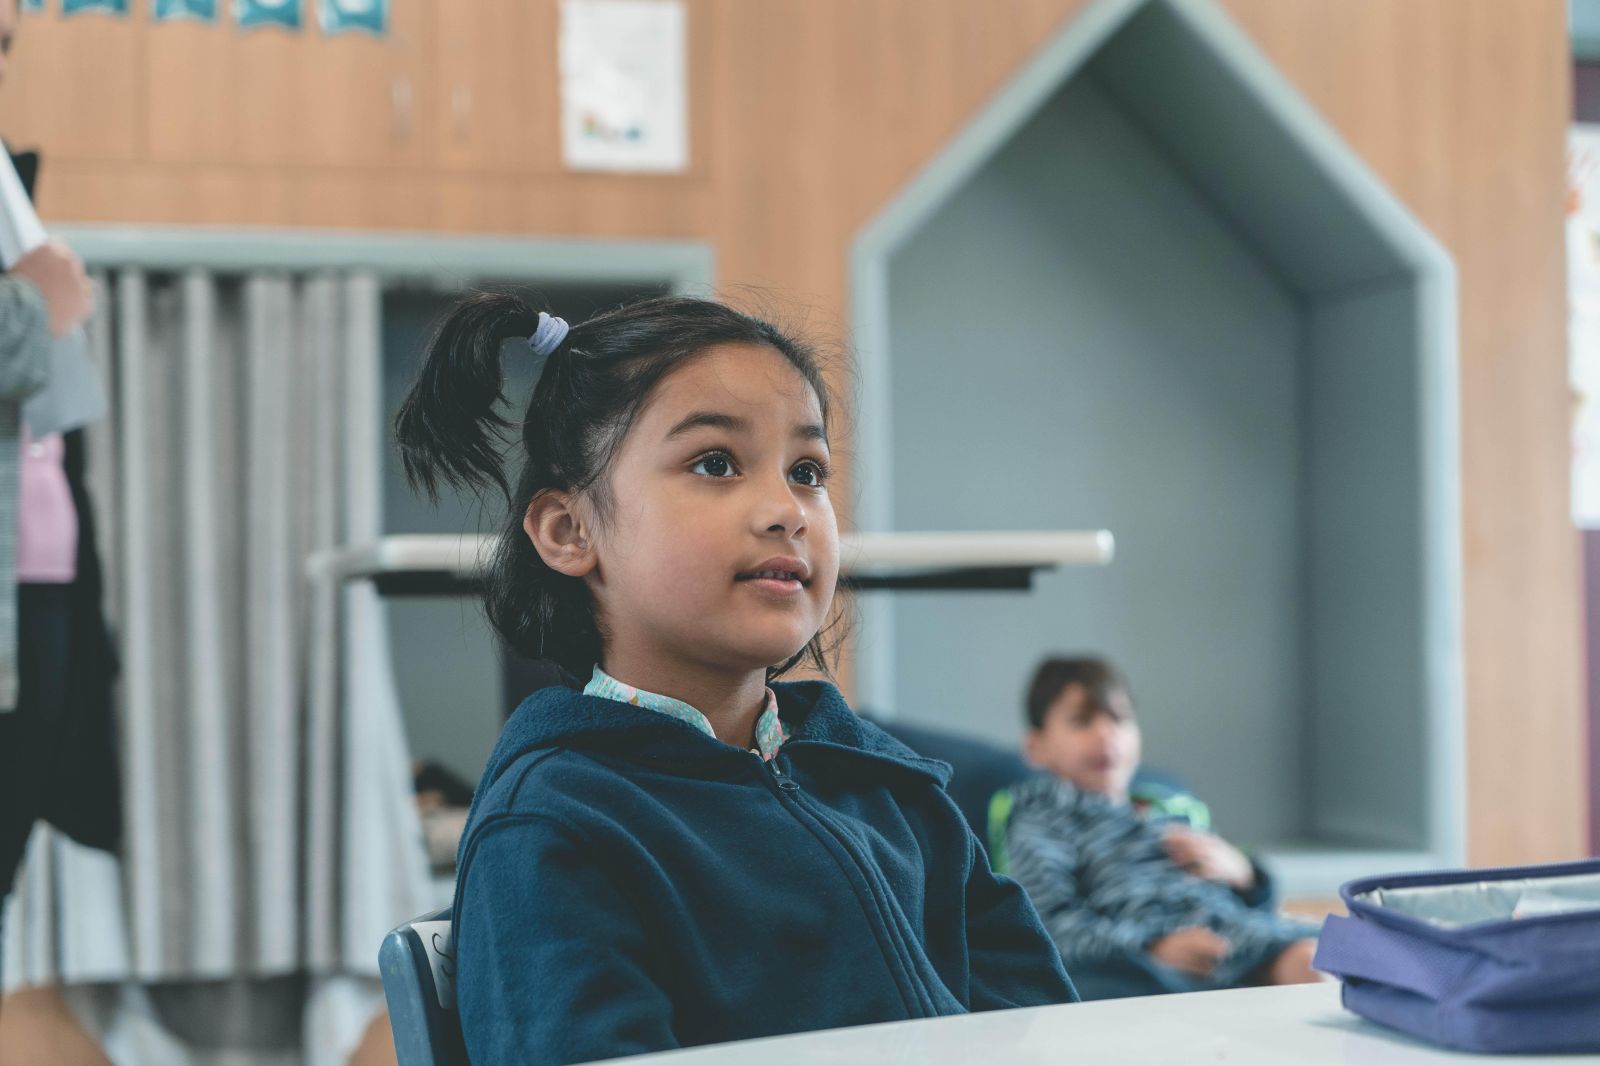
(57, 272)
(1195, 950)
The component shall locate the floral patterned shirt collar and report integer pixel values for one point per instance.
(770, 733)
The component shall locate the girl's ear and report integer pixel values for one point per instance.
(557, 530)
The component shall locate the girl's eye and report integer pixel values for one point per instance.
(715, 464)
(810, 474)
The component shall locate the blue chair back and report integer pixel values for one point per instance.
(981, 767)
(984, 769)
(418, 964)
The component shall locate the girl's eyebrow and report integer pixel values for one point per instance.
(712, 419)
(734, 424)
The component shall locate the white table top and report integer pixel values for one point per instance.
(1243, 1027)
(858, 552)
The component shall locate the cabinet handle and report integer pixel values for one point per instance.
(401, 94)
(460, 110)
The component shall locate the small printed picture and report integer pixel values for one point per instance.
(194, 10)
(624, 85)
(345, 16)
(250, 14)
(80, 7)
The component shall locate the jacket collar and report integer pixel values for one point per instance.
(814, 711)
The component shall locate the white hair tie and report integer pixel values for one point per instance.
(547, 337)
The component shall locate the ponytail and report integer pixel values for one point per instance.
(449, 428)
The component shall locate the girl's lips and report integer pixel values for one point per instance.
(779, 567)
(774, 585)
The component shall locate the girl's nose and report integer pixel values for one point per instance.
(779, 511)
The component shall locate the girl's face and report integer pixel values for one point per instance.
(1092, 745)
(721, 548)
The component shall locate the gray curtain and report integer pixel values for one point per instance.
(270, 826)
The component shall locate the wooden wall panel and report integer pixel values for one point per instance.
(1462, 108)
(88, 106)
(807, 116)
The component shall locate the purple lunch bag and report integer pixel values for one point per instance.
(1503, 960)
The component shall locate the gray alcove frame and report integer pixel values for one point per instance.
(1378, 496)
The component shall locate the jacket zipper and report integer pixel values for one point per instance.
(787, 785)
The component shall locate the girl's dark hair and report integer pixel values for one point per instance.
(1100, 680)
(592, 389)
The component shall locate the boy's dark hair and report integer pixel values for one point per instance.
(1100, 680)
(591, 391)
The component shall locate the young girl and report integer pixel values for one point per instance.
(686, 852)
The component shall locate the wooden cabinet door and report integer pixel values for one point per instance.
(72, 86)
(266, 96)
(495, 83)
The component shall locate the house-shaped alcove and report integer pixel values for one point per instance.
(1148, 289)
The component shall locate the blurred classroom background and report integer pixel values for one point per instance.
(1293, 297)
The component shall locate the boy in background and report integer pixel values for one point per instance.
(1139, 896)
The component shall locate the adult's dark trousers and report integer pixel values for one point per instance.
(34, 736)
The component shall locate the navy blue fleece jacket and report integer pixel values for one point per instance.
(628, 884)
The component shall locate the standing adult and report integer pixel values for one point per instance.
(43, 296)
(55, 654)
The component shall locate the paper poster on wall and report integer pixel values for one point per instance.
(250, 14)
(79, 7)
(624, 93)
(33, 5)
(344, 16)
(1583, 323)
(194, 10)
